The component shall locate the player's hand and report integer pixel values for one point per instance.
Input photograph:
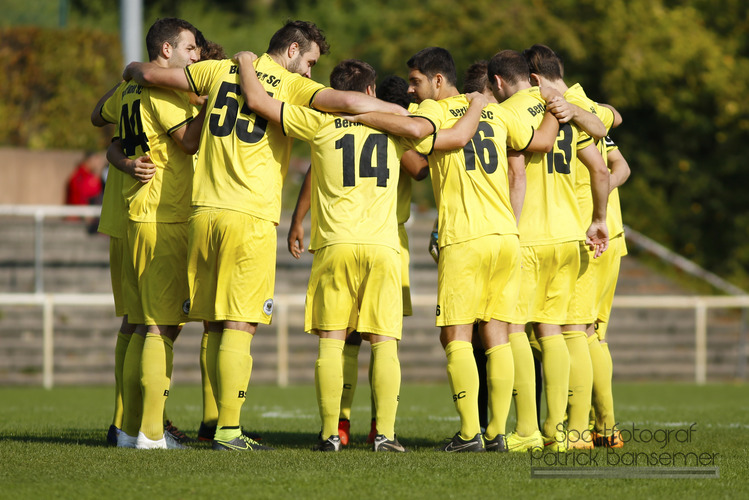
(245, 57)
(143, 169)
(562, 110)
(548, 92)
(597, 238)
(477, 99)
(434, 249)
(295, 240)
(197, 100)
(135, 71)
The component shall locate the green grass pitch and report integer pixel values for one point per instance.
(52, 446)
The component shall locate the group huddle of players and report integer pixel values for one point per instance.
(529, 233)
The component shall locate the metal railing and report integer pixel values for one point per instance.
(39, 213)
(700, 305)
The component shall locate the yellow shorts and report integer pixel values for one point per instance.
(405, 280)
(478, 280)
(582, 309)
(116, 249)
(355, 287)
(610, 262)
(159, 253)
(231, 266)
(547, 282)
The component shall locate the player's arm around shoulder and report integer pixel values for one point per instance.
(97, 119)
(257, 98)
(464, 129)
(346, 101)
(152, 75)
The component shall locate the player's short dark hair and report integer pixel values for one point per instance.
(433, 60)
(476, 78)
(510, 65)
(544, 61)
(303, 33)
(167, 29)
(394, 89)
(352, 74)
(211, 50)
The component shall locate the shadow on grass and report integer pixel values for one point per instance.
(277, 439)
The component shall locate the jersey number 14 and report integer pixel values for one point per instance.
(375, 148)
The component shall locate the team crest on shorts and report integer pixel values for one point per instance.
(268, 307)
(186, 306)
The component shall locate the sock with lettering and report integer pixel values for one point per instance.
(156, 376)
(464, 384)
(233, 369)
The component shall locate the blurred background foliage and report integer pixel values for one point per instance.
(678, 72)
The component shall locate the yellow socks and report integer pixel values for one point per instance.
(119, 361)
(500, 373)
(524, 386)
(556, 366)
(233, 368)
(132, 398)
(329, 384)
(209, 346)
(603, 396)
(581, 385)
(386, 384)
(156, 375)
(350, 376)
(464, 383)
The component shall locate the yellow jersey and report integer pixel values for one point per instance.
(113, 220)
(576, 95)
(354, 178)
(148, 116)
(470, 184)
(243, 159)
(550, 212)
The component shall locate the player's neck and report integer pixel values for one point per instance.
(447, 91)
(161, 62)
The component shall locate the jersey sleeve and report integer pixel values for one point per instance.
(429, 110)
(606, 116)
(610, 144)
(201, 75)
(519, 134)
(301, 122)
(171, 109)
(302, 91)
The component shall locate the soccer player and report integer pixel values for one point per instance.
(355, 278)
(478, 239)
(597, 277)
(237, 200)
(156, 124)
(392, 89)
(550, 229)
(113, 222)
